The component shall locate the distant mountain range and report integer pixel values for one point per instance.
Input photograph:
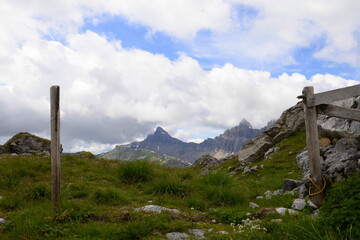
(221, 146)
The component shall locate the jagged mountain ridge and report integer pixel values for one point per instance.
(225, 144)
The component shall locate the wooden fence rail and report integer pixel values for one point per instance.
(320, 103)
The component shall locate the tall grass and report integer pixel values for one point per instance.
(109, 196)
(135, 172)
(220, 189)
(99, 197)
(174, 187)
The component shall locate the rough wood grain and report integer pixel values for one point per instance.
(55, 144)
(335, 95)
(312, 140)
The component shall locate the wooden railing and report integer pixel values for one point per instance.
(320, 103)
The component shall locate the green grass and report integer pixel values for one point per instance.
(99, 197)
(135, 172)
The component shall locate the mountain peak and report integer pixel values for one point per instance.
(245, 123)
(161, 131)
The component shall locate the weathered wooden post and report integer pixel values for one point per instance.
(312, 141)
(55, 144)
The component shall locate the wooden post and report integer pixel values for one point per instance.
(55, 144)
(312, 140)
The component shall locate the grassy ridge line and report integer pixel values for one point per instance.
(99, 197)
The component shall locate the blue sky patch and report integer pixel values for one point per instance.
(136, 36)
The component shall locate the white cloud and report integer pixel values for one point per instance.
(239, 30)
(283, 26)
(112, 95)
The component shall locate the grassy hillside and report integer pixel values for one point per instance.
(99, 197)
(125, 153)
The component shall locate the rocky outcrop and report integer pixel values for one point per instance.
(206, 162)
(222, 146)
(339, 160)
(26, 143)
(291, 120)
(3, 150)
(335, 127)
(340, 149)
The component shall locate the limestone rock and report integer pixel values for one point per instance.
(277, 192)
(291, 120)
(298, 204)
(3, 150)
(207, 162)
(271, 151)
(26, 143)
(177, 236)
(283, 211)
(315, 214)
(250, 169)
(156, 209)
(198, 233)
(268, 194)
(340, 128)
(312, 205)
(337, 162)
(253, 205)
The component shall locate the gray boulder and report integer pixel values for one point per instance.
(283, 211)
(207, 162)
(291, 120)
(267, 155)
(268, 194)
(177, 236)
(156, 209)
(198, 233)
(253, 205)
(3, 150)
(298, 204)
(26, 143)
(290, 184)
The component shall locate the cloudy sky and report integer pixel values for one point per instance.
(194, 67)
